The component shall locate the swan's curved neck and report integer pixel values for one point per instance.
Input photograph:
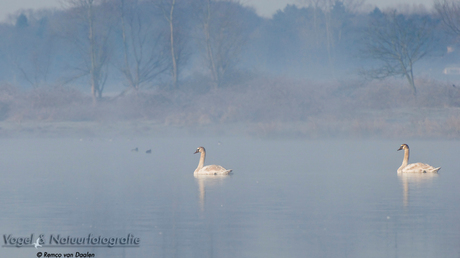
(201, 163)
(406, 158)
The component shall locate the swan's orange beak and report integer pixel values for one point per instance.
(400, 148)
(197, 150)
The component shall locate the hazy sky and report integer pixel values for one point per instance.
(263, 7)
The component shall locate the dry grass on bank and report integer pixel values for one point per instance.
(260, 107)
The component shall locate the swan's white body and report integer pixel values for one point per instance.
(414, 167)
(211, 169)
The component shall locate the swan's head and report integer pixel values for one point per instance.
(199, 149)
(404, 147)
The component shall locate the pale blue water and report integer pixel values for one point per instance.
(286, 198)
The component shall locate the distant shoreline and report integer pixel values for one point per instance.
(377, 128)
(262, 108)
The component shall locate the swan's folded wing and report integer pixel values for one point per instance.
(213, 169)
(420, 168)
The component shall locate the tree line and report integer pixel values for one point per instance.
(181, 44)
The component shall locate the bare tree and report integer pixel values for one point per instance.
(397, 43)
(324, 7)
(144, 43)
(316, 5)
(31, 48)
(449, 12)
(353, 6)
(209, 47)
(335, 13)
(170, 18)
(177, 43)
(224, 36)
(93, 18)
(37, 67)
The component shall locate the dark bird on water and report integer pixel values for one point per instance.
(149, 151)
(135, 149)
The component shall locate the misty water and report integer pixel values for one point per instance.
(286, 198)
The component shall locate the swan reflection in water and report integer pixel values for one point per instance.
(208, 181)
(418, 180)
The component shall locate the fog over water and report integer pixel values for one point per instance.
(319, 198)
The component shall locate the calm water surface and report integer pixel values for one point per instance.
(286, 198)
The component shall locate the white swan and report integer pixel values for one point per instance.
(211, 169)
(414, 167)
